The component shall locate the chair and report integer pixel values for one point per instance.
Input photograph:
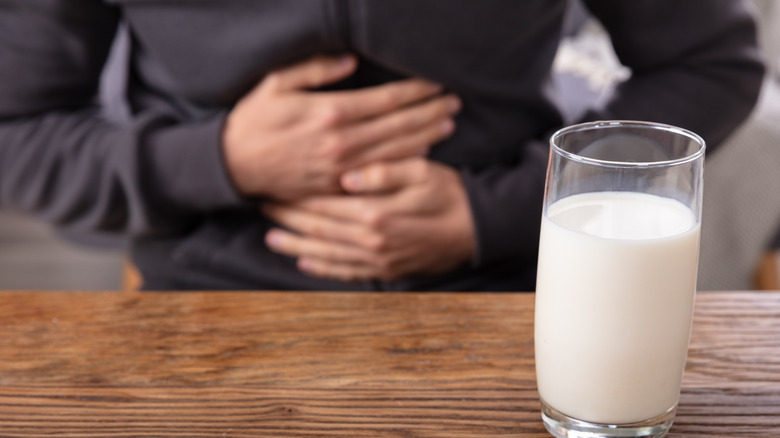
(767, 276)
(131, 277)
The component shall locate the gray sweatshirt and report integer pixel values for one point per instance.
(160, 178)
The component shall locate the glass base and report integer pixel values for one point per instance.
(562, 426)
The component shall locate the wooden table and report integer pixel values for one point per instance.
(258, 364)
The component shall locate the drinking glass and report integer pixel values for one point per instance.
(618, 258)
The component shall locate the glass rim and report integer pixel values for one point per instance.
(627, 124)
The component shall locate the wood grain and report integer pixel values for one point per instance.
(216, 364)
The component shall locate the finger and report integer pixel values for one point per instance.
(339, 107)
(321, 226)
(386, 176)
(294, 245)
(348, 272)
(428, 123)
(411, 145)
(379, 209)
(356, 208)
(312, 73)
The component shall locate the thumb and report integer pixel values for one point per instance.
(312, 73)
(386, 176)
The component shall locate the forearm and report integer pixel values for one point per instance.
(77, 170)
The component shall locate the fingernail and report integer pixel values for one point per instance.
(346, 62)
(454, 104)
(304, 264)
(273, 238)
(352, 180)
(447, 127)
(435, 88)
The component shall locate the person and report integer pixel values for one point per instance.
(337, 144)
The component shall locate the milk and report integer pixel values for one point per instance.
(614, 301)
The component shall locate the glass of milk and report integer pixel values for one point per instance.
(616, 280)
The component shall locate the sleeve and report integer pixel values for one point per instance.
(63, 162)
(695, 64)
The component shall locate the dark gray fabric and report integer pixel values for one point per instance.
(160, 177)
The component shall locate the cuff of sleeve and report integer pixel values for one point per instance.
(188, 169)
(506, 205)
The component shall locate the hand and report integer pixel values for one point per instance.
(286, 142)
(404, 217)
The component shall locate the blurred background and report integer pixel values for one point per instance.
(741, 197)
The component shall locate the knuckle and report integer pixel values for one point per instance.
(273, 80)
(392, 97)
(329, 185)
(420, 168)
(327, 180)
(375, 219)
(329, 115)
(378, 243)
(410, 121)
(331, 254)
(334, 186)
(335, 145)
(315, 229)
